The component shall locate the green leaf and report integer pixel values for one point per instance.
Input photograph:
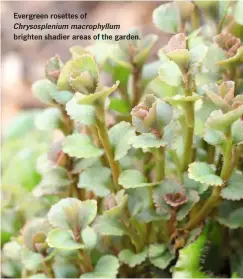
(194, 185)
(237, 131)
(38, 275)
(12, 250)
(119, 69)
(166, 17)
(213, 137)
(95, 179)
(89, 237)
(204, 173)
(133, 179)
(179, 100)
(91, 99)
(184, 210)
(83, 164)
(61, 97)
(230, 214)
(68, 211)
(62, 239)
(121, 137)
(84, 114)
(54, 180)
(64, 268)
(21, 125)
(31, 229)
(189, 261)
(170, 73)
(161, 89)
(107, 267)
(106, 225)
(238, 12)
(159, 255)
(118, 210)
(166, 187)
(42, 90)
(84, 63)
(31, 260)
(48, 119)
(119, 105)
(147, 140)
(213, 56)
(237, 59)
(80, 146)
(198, 53)
(219, 121)
(233, 189)
(170, 186)
(130, 258)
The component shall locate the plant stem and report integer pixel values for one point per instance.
(222, 20)
(215, 199)
(189, 131)
(188, 142)
(136, 90)
(104, 138)
(160, 163)
(176, 161)
(211, 153)
(195, 19)
(86, 261)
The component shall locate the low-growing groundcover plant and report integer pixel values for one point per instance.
(145, 179)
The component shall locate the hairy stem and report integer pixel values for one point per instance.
(104, 138)
(214, 199)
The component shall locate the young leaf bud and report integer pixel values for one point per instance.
(152, 115)
(53, 68)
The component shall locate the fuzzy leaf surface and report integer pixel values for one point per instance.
(130, 258)
(166, 17)
(133, 179)
(63, 239)
(49, 119)
(170, 73)
(234, 188)
(106, 225)
(121, 137)
(159, 255)
(31, 260)
(219, 121)
(89, 237)
(230, 214)
(62, 213)
(80, 146)
(95, 179)
(204, 173)
(42, 91)
(107, 267)
(84, 114)
(147, 140)
(91, 99)
(121, 201)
